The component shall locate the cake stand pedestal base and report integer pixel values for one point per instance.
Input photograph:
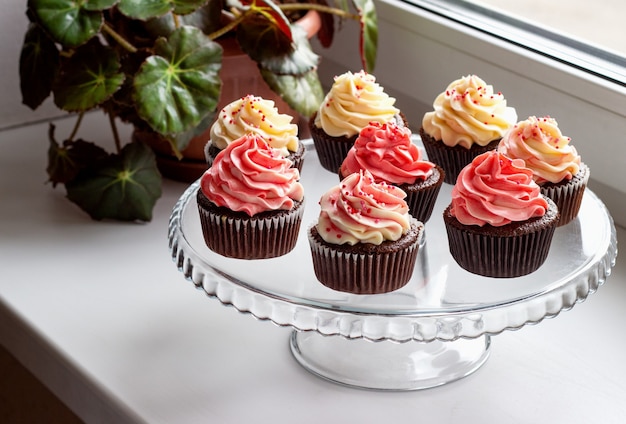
(387, 365)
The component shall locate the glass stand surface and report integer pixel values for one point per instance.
(387, 365)
(433, 331)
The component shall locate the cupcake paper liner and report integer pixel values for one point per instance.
(568, 195)
(421, 197)
(331, 151)
(513, 250)
(237, 235)
(452, 159)
(360, 272)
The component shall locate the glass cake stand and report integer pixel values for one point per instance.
(433, 331)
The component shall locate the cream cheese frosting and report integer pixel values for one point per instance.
(496, 190)
(544, 149)
(468, 112)
(251, 176)
(359, 210)
(256, 115)
(353, 101)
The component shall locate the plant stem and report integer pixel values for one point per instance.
(320, 8)
(116, 136)
(228, 27)
(120, 40)
(76, 126)
(287, 6)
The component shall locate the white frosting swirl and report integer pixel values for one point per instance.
(360, 210)
(258, 116)
(547, 152)
(469, 112)
(354, 101)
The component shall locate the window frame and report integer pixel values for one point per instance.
(540, 40)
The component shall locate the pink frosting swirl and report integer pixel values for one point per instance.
(388, 153)
(496, 190)
(359, 210)
(547, 152)
(250, 176)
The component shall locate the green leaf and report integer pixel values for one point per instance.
(69, 22)
(274, 52)
(65, 162)
(368, 45)
(143, 10)
(99, 4)
(88, 78)
(123, 187)
(260, 40)
(39, 61)
(303, 93)
(207, 18)
(147, 9)
(178, 88)
(184, 7)
(272, 14)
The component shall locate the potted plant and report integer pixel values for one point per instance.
(155, 64)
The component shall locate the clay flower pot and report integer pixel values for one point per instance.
(240, 76)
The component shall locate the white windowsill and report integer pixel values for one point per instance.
(100, 314)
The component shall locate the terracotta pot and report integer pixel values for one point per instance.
(240, 76)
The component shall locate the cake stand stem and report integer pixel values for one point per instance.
(387, 365)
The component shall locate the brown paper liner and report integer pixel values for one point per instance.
(452, 159)
(237, 235)
(365, 268)
(568, 195)
(512, 250)
(421, 197)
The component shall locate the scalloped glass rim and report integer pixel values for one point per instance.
(442, 301)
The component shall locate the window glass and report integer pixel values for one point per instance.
(599, 23)
(589, 35)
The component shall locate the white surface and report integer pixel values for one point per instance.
(99, 312)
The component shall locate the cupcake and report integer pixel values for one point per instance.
(388, 153)
(250, 201)
(365, 241)
(353, 101)
(556, 165)
(498, 223)
(259, 116)
(468, 119)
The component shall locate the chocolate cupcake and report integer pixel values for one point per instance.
(364, 241)
(353, 101)
(498, 223)
(244, 216)
(568, 194)
(389, 154)
(255, 115)
(468, 119)
(555, 163)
